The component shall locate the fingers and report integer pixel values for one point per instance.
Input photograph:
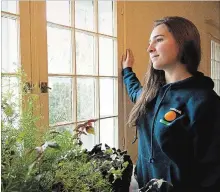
(129, 54)
(127, 59)
(122, 58)
(125, 56)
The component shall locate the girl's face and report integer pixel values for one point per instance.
(163, 48)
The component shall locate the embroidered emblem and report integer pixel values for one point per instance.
(170, 116)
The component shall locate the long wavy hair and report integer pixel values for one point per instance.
(188, 39)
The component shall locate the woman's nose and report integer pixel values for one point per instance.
(150, 48)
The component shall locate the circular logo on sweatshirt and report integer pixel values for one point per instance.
(170, 116)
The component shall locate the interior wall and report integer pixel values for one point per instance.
(138, 22)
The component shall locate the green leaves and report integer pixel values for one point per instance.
(32, 162)
(8, 110)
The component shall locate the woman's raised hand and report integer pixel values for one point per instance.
(127, 59)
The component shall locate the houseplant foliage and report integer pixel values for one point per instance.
(34, 161)
(53, 160)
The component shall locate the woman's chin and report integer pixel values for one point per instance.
(157, 66)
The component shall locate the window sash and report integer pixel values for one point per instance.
(215, 65)
(96, 76)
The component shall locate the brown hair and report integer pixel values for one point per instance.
(188, 39)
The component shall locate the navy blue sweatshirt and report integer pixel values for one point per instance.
(179, 136)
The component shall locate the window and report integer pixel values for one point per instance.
(10, 40)
(72, 46)
(215, 65)
(15, 17)
(10, 49)
(82, 67)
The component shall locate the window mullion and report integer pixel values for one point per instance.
(39, 68)
(74, 79)
(25, 41)
(97, 88)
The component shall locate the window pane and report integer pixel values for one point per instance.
(212, 49)
(9, 6)
(215, 69)
(59, 12)
(217, 86)
(107, 131)
(217, 51)
(10, 84)
(89, 140)
(60, 100)
(85, 98)
(105, 16)
(84, 54)
(59, 50)
(106, 56)
(65, 128)
(84, 18)
(10, 92)
(107, 92)
(9, 45)
(212, 68)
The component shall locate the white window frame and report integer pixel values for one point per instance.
(215, 64)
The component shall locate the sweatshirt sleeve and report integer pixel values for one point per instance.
(132, 84)
(206, 143)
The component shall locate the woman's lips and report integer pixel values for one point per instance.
(154, 57)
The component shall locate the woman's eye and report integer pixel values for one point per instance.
(159, 40)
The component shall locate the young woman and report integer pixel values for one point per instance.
(176, 112)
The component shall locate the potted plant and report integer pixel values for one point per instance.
(54, 160)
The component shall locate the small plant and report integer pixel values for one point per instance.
(54, 161)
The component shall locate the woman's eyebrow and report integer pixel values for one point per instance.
(156, 37)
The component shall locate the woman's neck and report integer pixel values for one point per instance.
(178, 73)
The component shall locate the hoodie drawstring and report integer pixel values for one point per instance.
(135, 137)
